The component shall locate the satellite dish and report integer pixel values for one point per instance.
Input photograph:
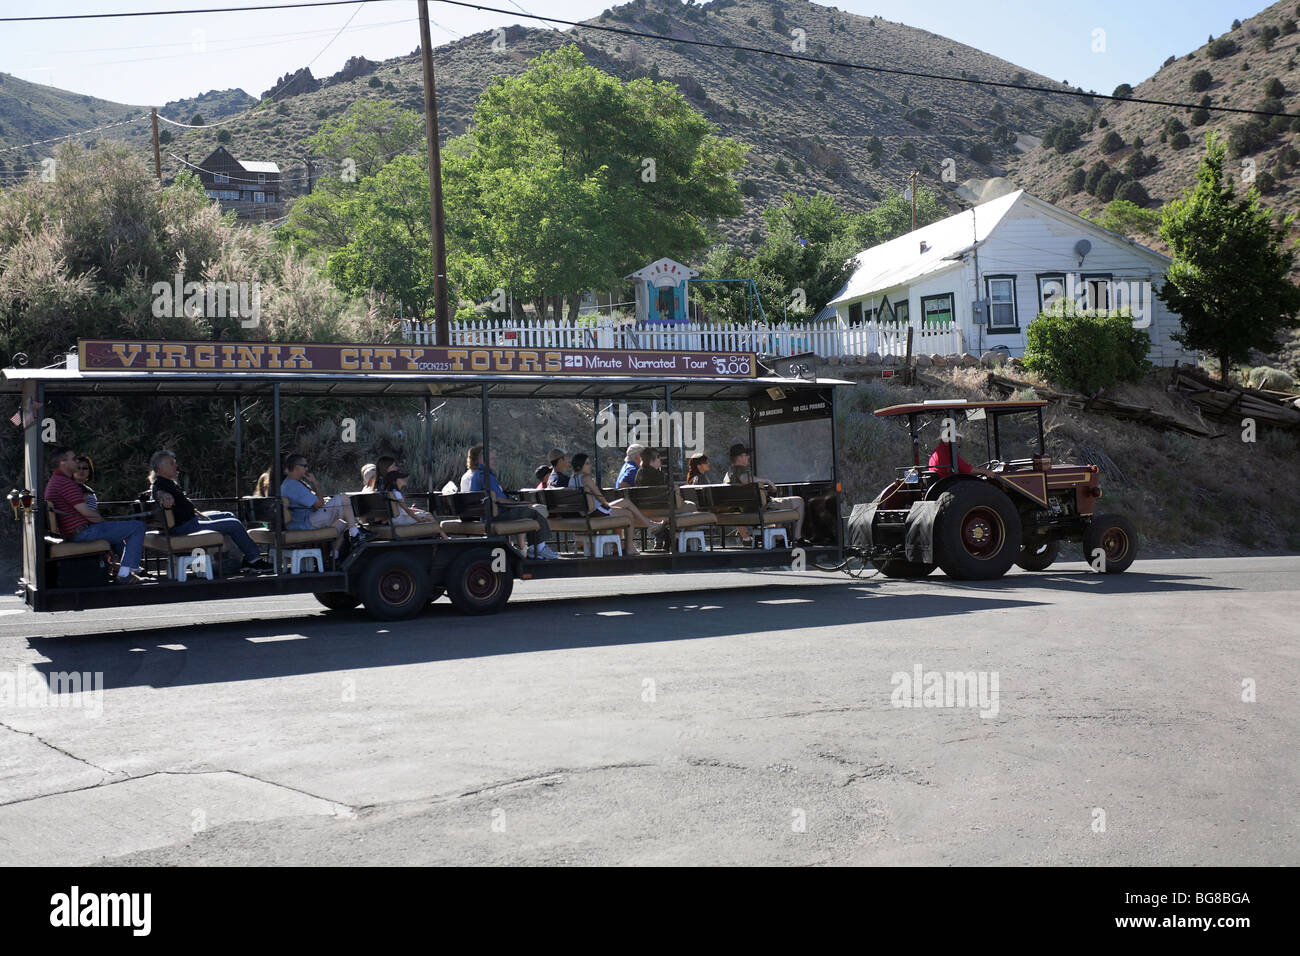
(1081, 249)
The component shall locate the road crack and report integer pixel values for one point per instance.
(59, 750)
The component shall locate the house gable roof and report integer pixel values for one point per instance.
(255, 166)
(901, 261)
(904, 260)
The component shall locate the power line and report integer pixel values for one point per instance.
(823, 61)
(56, 139)
(170, 13)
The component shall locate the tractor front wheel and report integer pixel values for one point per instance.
(976, 532)
(1110, 543)
(1038, 557)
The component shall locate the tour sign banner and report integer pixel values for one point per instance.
(112, 355)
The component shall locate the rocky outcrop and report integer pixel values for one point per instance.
(355, 67)
(293, 84)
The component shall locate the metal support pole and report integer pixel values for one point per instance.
(487, 464)
(428, 435)
(595, 438)
(668, 473)
(239, 444)
(835, 487)
(277, 454)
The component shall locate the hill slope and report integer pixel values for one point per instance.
(811, 127)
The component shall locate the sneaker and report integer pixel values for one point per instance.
(261, 565)
(545, 553)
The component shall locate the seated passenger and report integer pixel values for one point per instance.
(627, 474)
(309, 509)
(83, 474)
(163, 472)
(368, 473)
(740, 473)
(601, 506)
(541, 473)
(480, 478)
(697, 470)
(941, 464)
(560, 475)
(263, 489)
(82, 522)
(394, 482)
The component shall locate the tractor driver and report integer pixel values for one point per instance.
(941, 464)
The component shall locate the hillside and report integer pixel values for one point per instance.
(811, 128)
(1240, 68)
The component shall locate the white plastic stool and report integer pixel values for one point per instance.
(771, 534)
(686, 538)
(296, 556)
(596, 544)
(186, 563)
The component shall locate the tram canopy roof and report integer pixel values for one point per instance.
(72, 381)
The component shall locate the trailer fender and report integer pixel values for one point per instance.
(859, 530)
(918, 536)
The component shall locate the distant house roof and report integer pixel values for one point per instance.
(254, 166)
(926, 251)
(940, 246)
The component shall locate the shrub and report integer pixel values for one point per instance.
(1123, 91)
(1085, 349)
(1174, 125)
(1108, 184)
(908, 150)
(1224, 46)
(1111, 142)
(1136, 165)
(1138, 142)
(1076, 181)
(223, 136)
(1180, 141)
(1288, 27)
(1201, 81)
(780, 167)
(981, 153)
(1274, 89)
(1067, 138)
(198, 120)
(1132, 191)
(1095, 174)
(1246, 138)
(374, 82)
(1200, 116)
(1265, 182)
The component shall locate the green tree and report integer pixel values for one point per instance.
(893, 217)
(809, 246)
(609, 175)
(366, 137)
(1229, 279)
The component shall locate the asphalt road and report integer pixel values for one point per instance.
(723, 718)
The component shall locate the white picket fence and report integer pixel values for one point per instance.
(826, 339)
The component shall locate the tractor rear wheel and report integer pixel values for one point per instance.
(1115, 538)
(1038, 557)
(896, 568)
(976, 532)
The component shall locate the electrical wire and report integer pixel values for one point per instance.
(171, 13)
(56, 139)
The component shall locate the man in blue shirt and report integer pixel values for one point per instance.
(476, 478)
(631, 464)
(308, 509)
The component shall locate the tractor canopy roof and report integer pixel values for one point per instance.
(957, 404)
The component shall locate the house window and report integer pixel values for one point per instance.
(1051, 286)
(259, 197)
(855, 313)
(936, 310)
(221, 177)
(261, 179)
(1001, 293)
(1098, 291)
(901, 310)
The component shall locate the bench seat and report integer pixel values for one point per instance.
(56, 548)
(464, 526)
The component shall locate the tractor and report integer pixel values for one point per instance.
(976, 522)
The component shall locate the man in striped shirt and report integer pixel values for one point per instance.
(78, 521)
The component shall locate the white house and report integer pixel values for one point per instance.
(1017, 253)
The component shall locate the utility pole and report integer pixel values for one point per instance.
(310, 170)
(443, 326)
(914, 175)
(157, 156)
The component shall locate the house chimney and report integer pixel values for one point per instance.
(923, 245)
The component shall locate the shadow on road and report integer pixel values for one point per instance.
(330, 641)
(288, 646)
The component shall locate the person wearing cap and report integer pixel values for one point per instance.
(941, 463)
(560, 476)
(740, 473)
(541, 473)
(631, 464)
(308, 508)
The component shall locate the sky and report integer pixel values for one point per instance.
(151, 60)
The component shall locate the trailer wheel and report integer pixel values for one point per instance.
(1115, 537)
(976, 532)
(395, 586)
(896, 568)
(474, 587)
(337, 600)
(1038, 557)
